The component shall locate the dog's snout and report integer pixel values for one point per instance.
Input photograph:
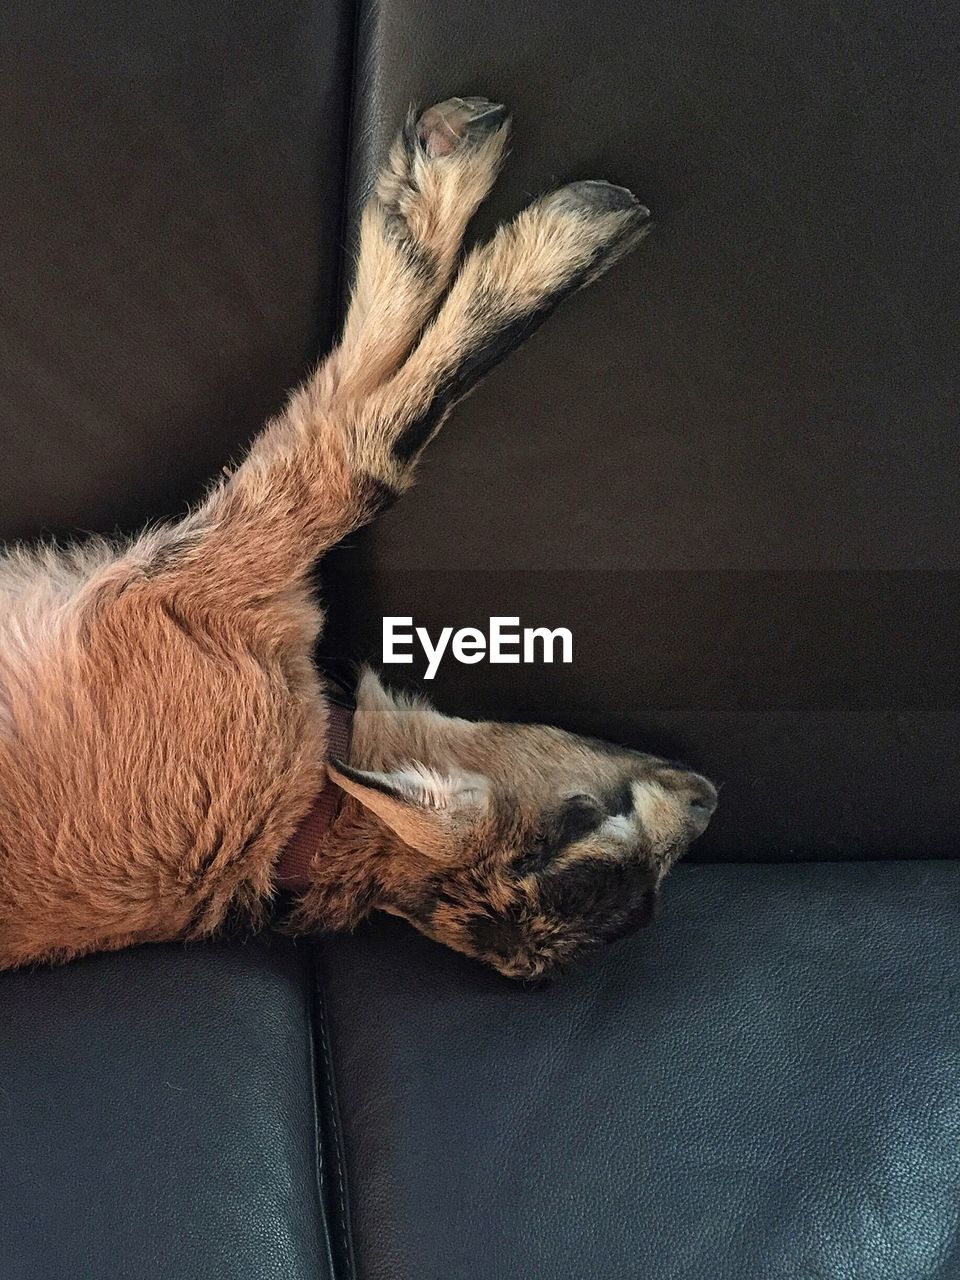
(702, 795)
(698, 792)
(701, 799)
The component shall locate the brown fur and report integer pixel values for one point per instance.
(161, 721)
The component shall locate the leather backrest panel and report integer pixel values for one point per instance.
(732, 468)
(170, 202)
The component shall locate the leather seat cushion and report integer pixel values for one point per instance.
(158, 1117)
(764, 1084)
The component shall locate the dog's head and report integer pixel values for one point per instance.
(520, 845)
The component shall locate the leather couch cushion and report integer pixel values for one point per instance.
(158, 1118)
(170, 201)
(722, 466)
(765, 1084)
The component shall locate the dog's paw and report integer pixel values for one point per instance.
(594, 196)
(597, 222)
(440, 169)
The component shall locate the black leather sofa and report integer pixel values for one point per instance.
(731, 469)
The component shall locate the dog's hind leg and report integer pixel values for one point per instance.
(439, 170)
(504, 291)
(302, 487)
(349, 439)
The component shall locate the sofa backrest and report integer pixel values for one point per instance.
(731, 470)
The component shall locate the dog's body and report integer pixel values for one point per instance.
(162, 724)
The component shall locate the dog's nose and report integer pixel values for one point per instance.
(703, 794)
(696, 791)
(702, 800)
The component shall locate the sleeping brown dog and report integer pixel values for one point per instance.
(162, 725)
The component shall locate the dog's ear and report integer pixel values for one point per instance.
(425, 809)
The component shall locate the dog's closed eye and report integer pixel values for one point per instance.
(577, 817)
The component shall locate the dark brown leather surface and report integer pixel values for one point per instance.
(732, 468)
(772, 382)
(170, 200)
(292, 872)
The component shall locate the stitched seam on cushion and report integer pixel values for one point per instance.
(342, 1203)
(319, 1163)
(341, 1210)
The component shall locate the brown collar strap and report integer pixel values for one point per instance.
(293, 872)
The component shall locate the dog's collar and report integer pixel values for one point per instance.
(293, 873)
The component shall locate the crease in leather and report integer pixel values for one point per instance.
(348, 204)
(317, 1074)
(334, 1196)
(331, 1176)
